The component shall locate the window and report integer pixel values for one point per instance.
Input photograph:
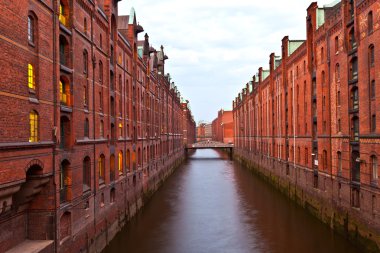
(85, 25)
(354, 99)
(339, 126)
(112, 167)
(323, 78)
(371, 55)
(100, 72)
(63, 51)
(101, 129)
(63, 14)
(120, 163)
(31, 77)
(86, 174)
(120, 130)
(33, 125)
(322, 54)
(373, 89)
(31, 28)
(355, 128)
(324, 160)
(337, 72)
(354, 68)
(85, 63)
(336, 44)
(101, 99)
(64, 91)
(101, 166)
(370, 22)
(86, 128)
(85, 97)
(373, 123)
(339, 163)
(338, 98)
(304, 67)
(374, 168)
(64, 182)
(352, 40)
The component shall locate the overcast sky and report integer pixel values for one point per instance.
(216, 46)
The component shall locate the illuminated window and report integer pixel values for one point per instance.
(31, 77)
(63, 14)
(64, 92)
(33, 124)
(120, 130)
(31, 29)
(120, 164)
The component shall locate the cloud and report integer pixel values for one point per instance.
(216, 46)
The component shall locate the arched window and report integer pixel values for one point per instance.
(31, 28)
(337, 72)
(33, 125)
(128, 161)
(373, 89)
(65, 182)
(354, 68)
(101, 166)
(338, 98)
(370, 22)
(86, 128)
(354, 98)
(63, 51)
(324, 160)
(120, 130)
(355, 163)
(336, 44)
(120, 163)
(65, 132)
(85, 25)
(355, 128)
(339, 163)
(101, 129)
(352, 40)
(374, 168)
(86, 174)
(100, 71)
(322, 54)
(373, 123)
(371, 56)
(85, 63)
(112, 167)
(31, 77)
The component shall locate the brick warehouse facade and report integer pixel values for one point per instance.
(223, 127)
(90, 125)
(310, 125)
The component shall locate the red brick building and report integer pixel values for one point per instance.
(310, 120)
(204, 132)
(90, 123)
(223, 127)
(188, 124)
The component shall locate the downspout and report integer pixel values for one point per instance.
(93, 114)
(55, 122)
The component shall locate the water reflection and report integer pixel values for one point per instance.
(212, 204)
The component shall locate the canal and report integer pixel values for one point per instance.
(211, 204)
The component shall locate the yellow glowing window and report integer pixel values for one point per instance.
(33, 124)
(101, 167)
(31, 77)
(62, 92)
(120, 163)
(62, 17)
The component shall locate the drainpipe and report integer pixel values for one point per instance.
(93, 114)
(55, 120)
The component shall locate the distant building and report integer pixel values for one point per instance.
(223, 127)
(204, 132)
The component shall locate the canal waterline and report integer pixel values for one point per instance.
(213, 204)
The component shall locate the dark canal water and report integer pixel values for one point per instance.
(212, 204)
